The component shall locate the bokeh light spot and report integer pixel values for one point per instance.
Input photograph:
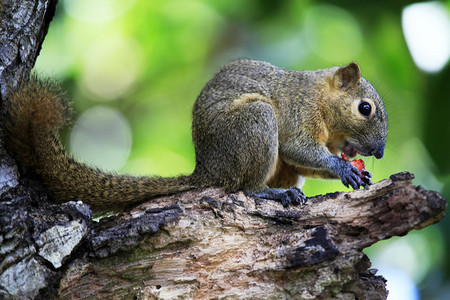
(399, 285)
(101, 137)
(97, 11)
(111, 67)
(427, 32)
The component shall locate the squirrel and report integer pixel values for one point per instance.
(256, 127)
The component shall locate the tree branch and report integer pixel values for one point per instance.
(209, 244)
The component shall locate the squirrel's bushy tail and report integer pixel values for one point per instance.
(34, 114)
(36, 109)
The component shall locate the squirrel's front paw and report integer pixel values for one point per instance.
(287, 197)
(350, 175)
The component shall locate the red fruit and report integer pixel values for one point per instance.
(358, 163)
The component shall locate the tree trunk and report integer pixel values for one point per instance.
(198, 244)
(23, 26)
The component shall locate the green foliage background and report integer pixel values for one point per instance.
(149, 60)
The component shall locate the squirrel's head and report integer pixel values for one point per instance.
(357, 113)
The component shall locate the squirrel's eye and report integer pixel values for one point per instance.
(364, 108)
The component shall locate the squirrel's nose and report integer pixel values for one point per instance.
(378, 153)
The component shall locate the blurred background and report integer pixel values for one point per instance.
(134, 69)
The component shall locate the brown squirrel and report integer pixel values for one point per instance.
(256, 127)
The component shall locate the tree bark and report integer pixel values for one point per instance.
(198, 244)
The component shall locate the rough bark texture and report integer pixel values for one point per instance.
(199, 244)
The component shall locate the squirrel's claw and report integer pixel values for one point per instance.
(366, 173)
(365, 176)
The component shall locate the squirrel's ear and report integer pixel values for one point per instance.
(347, 76)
